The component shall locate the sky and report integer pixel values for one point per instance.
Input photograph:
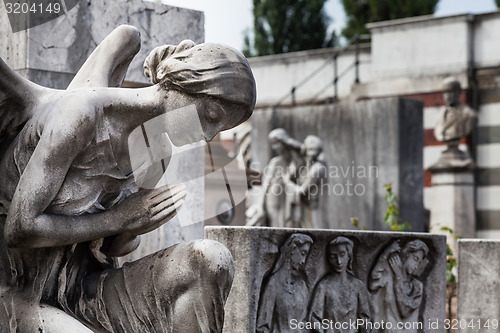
(227, 20)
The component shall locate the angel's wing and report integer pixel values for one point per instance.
(105, 67)
(108, 63)
(18, 97)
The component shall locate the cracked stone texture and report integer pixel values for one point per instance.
(255, 250)
(50, 54)
(478, 283)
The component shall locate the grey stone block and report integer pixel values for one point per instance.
(478, 284)
(261, 253)
(366, 144)
(58, 48)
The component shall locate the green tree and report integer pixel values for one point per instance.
(498, 3)
(361, 12)
(287, 25)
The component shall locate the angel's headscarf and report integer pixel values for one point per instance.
(209, 69)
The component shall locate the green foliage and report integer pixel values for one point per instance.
(391, 217)
(451, 278)
(498, 3)
(451, 260)
(361, 12)
(288, 25)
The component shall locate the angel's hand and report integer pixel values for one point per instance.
(396, 265)
(147, 210)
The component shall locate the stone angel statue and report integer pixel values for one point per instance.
(70, 200)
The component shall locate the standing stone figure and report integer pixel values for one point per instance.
(69, 202)
(306, 192)
(397, 293)
(273, 208)
(339, 296)
(455, 121)
(285, 295)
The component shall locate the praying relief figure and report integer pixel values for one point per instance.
(70, 202)
(285, 295)
(339, 297)
(397, 292)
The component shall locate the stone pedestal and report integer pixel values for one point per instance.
(453, 203)
(478, 289)
(265, 287)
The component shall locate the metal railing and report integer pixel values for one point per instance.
(336, 76)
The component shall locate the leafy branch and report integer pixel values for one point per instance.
(391, 217)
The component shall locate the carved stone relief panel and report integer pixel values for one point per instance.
(334, 281)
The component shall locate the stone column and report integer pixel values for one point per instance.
(453, 202)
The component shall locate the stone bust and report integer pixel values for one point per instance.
(70, 202)
(455, 122)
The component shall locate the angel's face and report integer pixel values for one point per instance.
(216, 116)
(413, 261)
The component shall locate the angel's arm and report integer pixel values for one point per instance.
(28, 225)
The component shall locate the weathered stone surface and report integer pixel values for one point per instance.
(366, 145)
(264, 271)
(478, 284)
(453, 204)
(61, 46)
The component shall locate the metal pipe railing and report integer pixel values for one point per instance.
(354, 41)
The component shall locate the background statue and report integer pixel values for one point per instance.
(69, 200)
(455, 121)
(274, 208)
(307, 189)
(397, 291)
(340, 296)
(285, 294)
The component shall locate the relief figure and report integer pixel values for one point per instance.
(396, 291)
(339, 296)
(285, 294)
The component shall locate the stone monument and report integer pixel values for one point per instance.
(365, 145)
(71, 199)
(292, 184)
(453, 173)
(303, 280)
